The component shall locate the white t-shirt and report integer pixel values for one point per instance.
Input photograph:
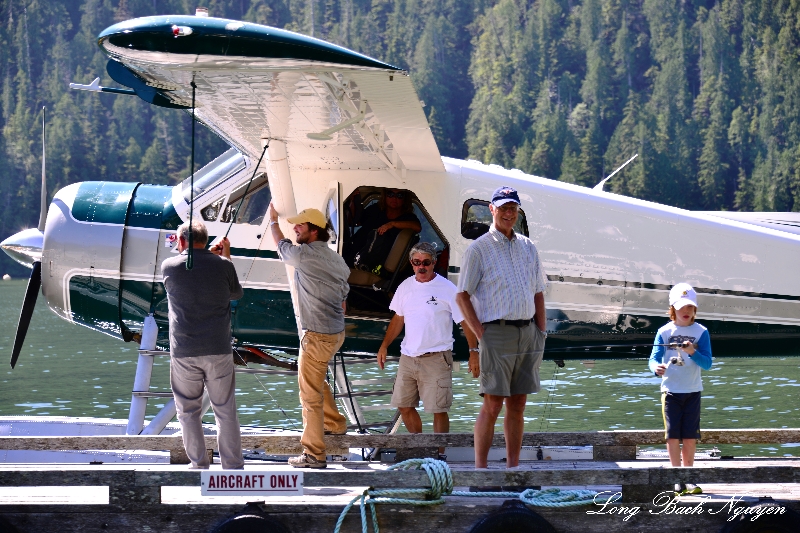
(429, 310)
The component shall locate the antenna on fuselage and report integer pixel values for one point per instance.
(599, 186)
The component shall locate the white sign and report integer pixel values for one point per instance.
(250, 483)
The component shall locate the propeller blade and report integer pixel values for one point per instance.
(43, 207)
(32, 292)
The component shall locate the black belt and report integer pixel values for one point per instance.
(515, 323)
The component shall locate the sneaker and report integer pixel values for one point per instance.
(691, 488)
(307, 461)
(679, 489)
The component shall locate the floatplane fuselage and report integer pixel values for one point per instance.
(337, 128)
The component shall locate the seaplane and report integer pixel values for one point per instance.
(312, 124)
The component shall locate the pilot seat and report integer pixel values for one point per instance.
(371, 293)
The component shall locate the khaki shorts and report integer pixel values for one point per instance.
(428, 377)
(510, 358)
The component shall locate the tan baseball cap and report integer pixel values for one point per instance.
(311, 215)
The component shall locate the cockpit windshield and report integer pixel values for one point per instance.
(220, 169)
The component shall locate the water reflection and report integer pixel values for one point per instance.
(69, 370)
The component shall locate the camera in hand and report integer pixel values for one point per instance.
(677, 361)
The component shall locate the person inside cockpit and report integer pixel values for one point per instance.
(383, 220)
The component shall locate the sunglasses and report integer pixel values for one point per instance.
(398, 195)
(423, 262)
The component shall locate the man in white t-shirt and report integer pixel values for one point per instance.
(426, 305)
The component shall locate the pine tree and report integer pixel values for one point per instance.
(716, 182)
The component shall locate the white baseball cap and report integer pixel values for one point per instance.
(682, 295)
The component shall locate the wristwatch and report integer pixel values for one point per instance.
(474, 350)
(271, 222)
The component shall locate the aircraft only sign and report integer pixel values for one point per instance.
(250, 483)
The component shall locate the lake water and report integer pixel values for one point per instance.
(67, 370)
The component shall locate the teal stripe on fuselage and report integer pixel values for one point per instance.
(94, 303)
(170, 219)
(249, 252)
(266, 317)
(103, 202)
(148, 206)
(108, 202)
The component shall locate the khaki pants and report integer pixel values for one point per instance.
(319, 407)
(188, 376)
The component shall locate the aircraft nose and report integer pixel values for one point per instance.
(24, 247)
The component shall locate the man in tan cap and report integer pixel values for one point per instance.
(320, 276)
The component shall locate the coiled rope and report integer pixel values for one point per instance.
(441, 479)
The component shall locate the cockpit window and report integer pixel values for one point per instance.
(476, 219)
(213, 173)
(255, 205)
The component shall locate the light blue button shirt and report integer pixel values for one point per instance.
(502, 276)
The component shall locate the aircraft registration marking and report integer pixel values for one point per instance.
(251, 483)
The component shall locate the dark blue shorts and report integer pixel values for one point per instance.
(681, 412)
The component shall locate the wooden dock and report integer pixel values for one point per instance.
(166, 498)
(607, 445)
(140, 497)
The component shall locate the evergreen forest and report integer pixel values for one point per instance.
(707, 92)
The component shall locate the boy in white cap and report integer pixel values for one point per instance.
(681, 349)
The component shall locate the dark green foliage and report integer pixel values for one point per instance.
(707, 92)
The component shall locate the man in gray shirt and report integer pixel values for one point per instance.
(200, 344)
(320, 278)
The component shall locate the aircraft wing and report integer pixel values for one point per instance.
(334, 108)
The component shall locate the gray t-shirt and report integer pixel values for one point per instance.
(200, 303)
(320, 275)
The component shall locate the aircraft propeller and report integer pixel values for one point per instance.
(24, 245)
(32, 292)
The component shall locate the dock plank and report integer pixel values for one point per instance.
(166, 498)
(186, 511)
(353, 474)
(289, 443)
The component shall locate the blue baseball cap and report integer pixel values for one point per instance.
(503, 195)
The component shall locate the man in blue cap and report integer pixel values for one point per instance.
(501, 296)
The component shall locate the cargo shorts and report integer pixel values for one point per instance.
(428, 377)
(510, 358)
